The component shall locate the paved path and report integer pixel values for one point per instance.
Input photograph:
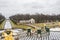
(53, 36)
(32, 26)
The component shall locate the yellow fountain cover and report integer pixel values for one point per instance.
(8, 36)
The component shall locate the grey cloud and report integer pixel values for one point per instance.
(11, 7)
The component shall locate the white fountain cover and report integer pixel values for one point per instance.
(7, 25)
(55, 29)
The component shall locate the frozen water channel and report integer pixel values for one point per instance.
(7, 25)
(54, 33)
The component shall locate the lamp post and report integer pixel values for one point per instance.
(28, 32)
(48, 31)
(39, 33)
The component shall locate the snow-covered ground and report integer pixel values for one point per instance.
(55, 29)
(54, 33)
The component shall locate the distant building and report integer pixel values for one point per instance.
(32, 21)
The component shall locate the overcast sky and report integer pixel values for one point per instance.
(11, 7)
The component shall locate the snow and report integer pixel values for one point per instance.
(55, 29)
(7, 25)
(54, 33)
